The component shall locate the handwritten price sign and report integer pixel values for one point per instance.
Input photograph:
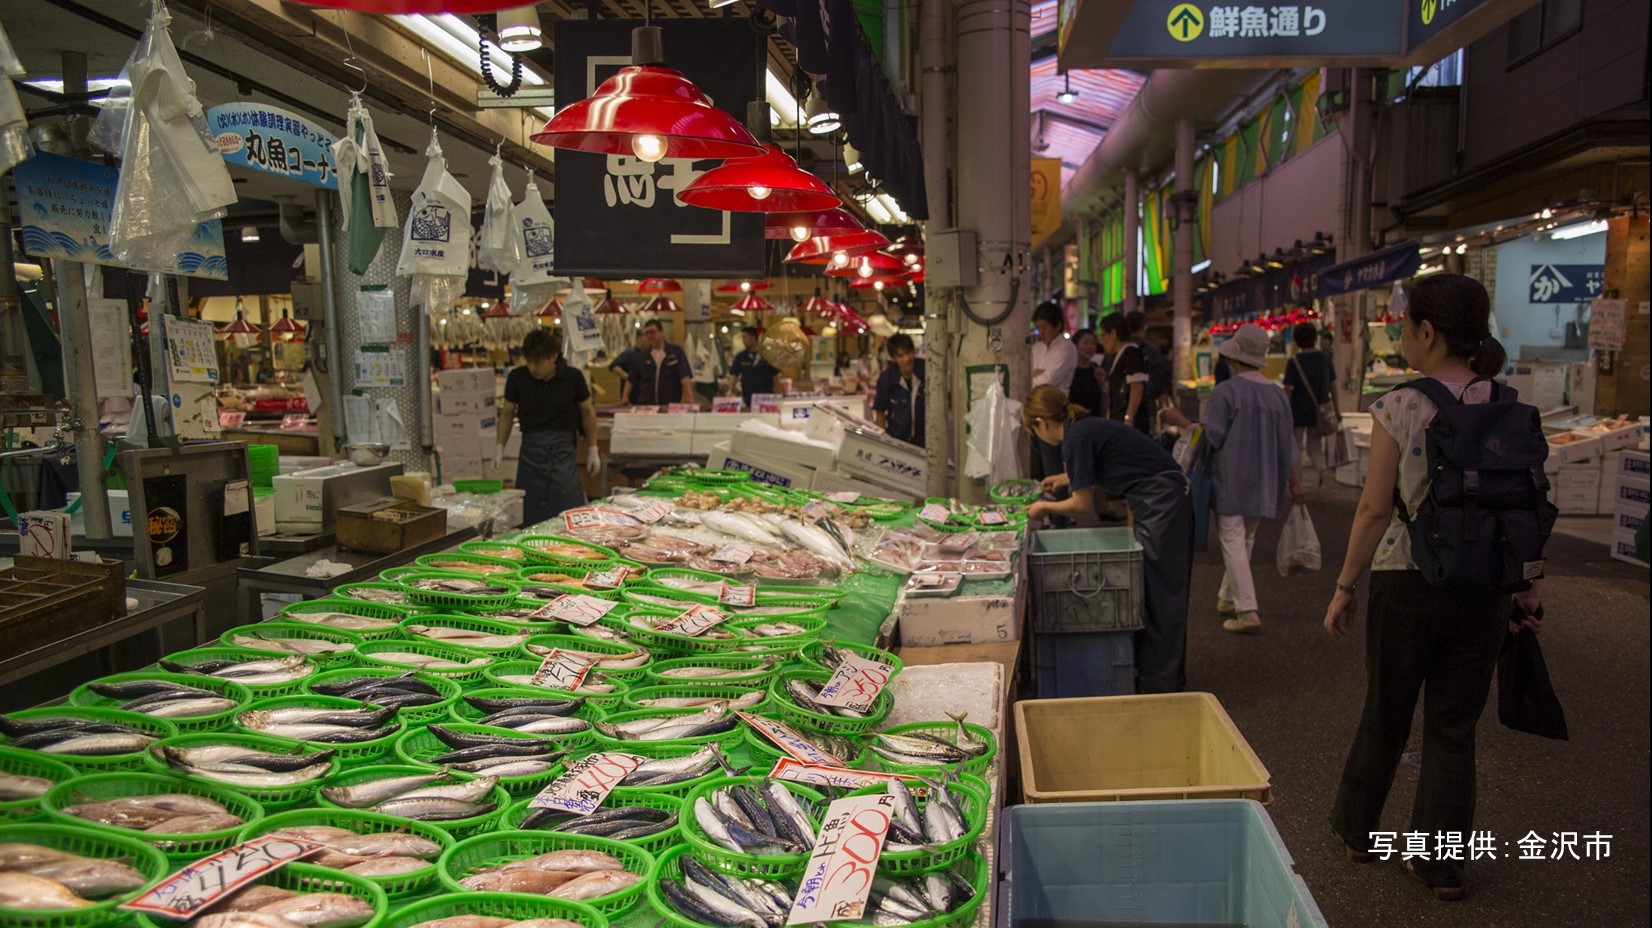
(838, 878)
(587, 783)
(694, 622)
(733, 554)
(574, 609)
(787, 739)
(738, 594)
(990, 517)
(563, 670)
(590, 516)
(935, 512)
(652, 511)
(856, 683)
(607, 580)
(794, 770)
(205, 881)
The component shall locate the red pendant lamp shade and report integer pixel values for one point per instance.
(871, 264)
(752, 303)
(661, 304)
(743, 286)
(286, 329)
(878, 282)
(820, 306)
(499, 310)
(820, 250)
(410, 7)
(659, 285)
(800, 227)
(769, 183)
(551, 310)
(610, 307)
(915, 274)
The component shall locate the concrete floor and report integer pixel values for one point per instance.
(1296, 693)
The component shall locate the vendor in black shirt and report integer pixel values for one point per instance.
(1127, 375)
(621, 365)
(899, 400)
(660, 375)
(751, 370)
(1123, 461)
(554, 405)
(1086, 385)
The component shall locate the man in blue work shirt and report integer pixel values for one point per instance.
(660, 375)
(899, 402)
(753, 372)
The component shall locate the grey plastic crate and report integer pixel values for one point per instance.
(1085, 580)
(1187, 862)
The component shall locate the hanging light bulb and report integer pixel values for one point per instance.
(649, 148)
(865, 269)
(745, 286)
(911, 259)
(840, 259)
(800, 233)
(759, 192)
(519, 30)
(877, 285)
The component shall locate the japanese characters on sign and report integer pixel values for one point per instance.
(205, 881)
(795, 771)
(787, 739)
(1566, 283)
(563, 670)
(575, 609)
(587, 783)
(694, 621)
(856, 683)
(838, 878)
(738, 594)
(275, 141)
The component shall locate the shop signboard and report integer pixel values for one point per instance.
(1565, 283)
(1608, 325)
(1396, 262)
(65, 204)
(275, 141)
(1161, 33)
(620, 216)
(1046, 198)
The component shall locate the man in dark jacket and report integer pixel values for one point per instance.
(660, 374)
(899, 401)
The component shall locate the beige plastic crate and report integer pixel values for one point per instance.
(1108, 748)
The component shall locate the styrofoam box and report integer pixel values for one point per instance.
(651, 442)
(1579, 478)
(466, 445)
(1626, 437)
(830, 481)
(758, 445)
(467, 424)
(1576, 452)
(461, 467)
(1635, 491)
(1635, 464)
(654, 422)
(1627, 518)
(468, 402)
(120, 515)
(1607, 494)
(927, 623)
(263, 514)
(779, 473)
(473, 380)
(1624, 548)
(794, 414)
(892, 463)
(722, 423)
(705, 442)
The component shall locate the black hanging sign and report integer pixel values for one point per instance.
(619, 216)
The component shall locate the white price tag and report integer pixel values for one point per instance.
(856, 683)
(563, 670)
(210, 879)
(993, 518)
(589, 516)
(765, 402)
(794, 770)
(574, 609)
(694, 622)
(742, 594)
(838, 878)
(606, 580)
(934, 512)
(642, 411)
(587, 783)
(682, 407)
(726, 404)
(652, 511)
(787, 739)
(734, 554)
(847, 496)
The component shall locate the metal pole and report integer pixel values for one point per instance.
(329, 372)
(1182, 283)
(938, 304)
(1132, 236)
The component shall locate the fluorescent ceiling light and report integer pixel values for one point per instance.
(454, 38)
(1577, 230)
(892, 208)
(780, 98)
(54, 85)
(1200, 266)
(878, 211)
(851, 157)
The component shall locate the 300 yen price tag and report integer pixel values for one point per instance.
(575, 609)
(587, 783)
(856, 683)
(694, 621)
(209, 879)
(838, 878)
(563, 670)
(607, 580)
(935, 512)
(794, 770)
(738, 594)
(787, 739)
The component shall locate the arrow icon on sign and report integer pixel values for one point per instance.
(1188, 20)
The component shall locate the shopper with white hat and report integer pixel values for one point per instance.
(1253, 465)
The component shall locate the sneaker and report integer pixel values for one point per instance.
(1442, 893)
(1245, 623)
(1226, 608)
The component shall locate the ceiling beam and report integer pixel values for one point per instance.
(1073, 120)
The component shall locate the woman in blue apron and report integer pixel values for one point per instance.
(553, 403)
(1124, 462)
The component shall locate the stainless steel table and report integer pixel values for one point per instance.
(159, 604)
(288, 576)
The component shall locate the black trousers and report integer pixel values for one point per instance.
(1164, 528)
(1443, 643)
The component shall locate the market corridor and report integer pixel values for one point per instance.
(1295, 693)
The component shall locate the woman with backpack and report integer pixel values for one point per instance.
(1432, 629)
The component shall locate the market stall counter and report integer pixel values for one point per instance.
(158, 605)
(292, 576)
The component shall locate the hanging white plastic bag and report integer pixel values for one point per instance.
(172, 177)
(1298, 543)
(535, 235)
(497, 249)
(14, 124)
(579, 323)
(365, 206)
(980, 421)
(436, 238)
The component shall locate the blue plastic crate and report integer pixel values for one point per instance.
(1215, 862)
(1085, 664)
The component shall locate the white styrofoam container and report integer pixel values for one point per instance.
(472, 380)
(651, 442)
(1581, 449)
(795, 414)
(1635, 491)
(892, 463)
(830, 481)
(706, 442)
(1628, 518)
(655, 422)
(1635, 464)
(1580, 479)
(1624, 549)
(466, 402)
(721, 424)
(263, 514)
(956, 620)
(1617, 439)
(749, 444)
(762, 470)
(120, 515)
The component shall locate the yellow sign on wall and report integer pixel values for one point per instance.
(1046, 198)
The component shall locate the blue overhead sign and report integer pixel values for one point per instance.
(274, 141)
(1565, 283)
(1396, 262)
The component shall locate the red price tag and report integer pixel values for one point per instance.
(726, 404)
(574, 609)
(743, 594)
(682, 407)
(295, 420)
(562, 670)
(587, 783)
(856, 683)
(838, 877)
(694, 621)
(210, 879)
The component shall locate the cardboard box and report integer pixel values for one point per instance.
(1574, 477)
(1635, 464)
(466, 402)
(462, 467)
(468, 380)
(1624, 549)
(44, 534)
(1633, 491)
(120, 515)
(749, 444)
(467, 446)
(779, 473)
(956, 620)
(1627, 518)
(466, 424)
(1607, 495)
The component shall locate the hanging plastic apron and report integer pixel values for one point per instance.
(436, 238)
(496, 251)
(365, 205)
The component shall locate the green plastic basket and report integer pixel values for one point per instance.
(258, 690)
(809, 655)
(777, 590)
(86, 763)
(811, 622)
(710, 476)
(397, 886)
(668, 642)
(463, 602)
(497, 549)
(1016, 491)
(496, 673)
(462, 711)
(606, 743)
(597, 556)
(634, 698)
(747, 865)
(457, 828)
(30, 764)
(479, 487)
(741, 669)
(392, 615)
(468, 623)
(538, 592)
(625, 675)
(974, 766)
(305, 630)
(452, 560)
(618, 798)
(83, 696)
(368, 656)
(665, 750)
(766, 754)
(418, 746)
(307, 878)
(447, 688)
(362, 752)
(270, 797)
(780, 702)
(178, 848)
(514, 906)
(973, 799)
(86, 842)
(347, 591)
(646, 593)
(502, 846)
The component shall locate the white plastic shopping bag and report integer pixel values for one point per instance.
(536, 246)
(1298, 543)
(496, 250)
(436, 238)
(365, 206)
(579, 322)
